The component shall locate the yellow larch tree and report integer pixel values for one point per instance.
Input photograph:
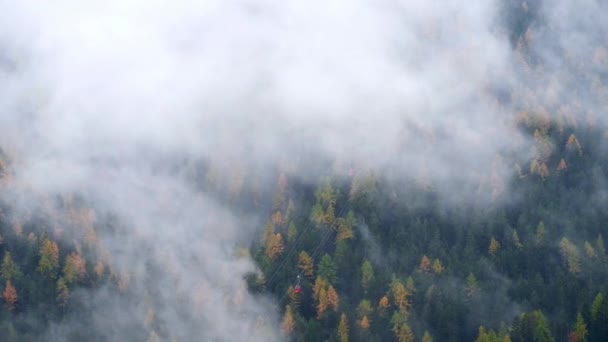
(332, 298)
(437, 266)
(343, 329)
(289, 322)
(306, 264)
(494, 246)
(425, 264)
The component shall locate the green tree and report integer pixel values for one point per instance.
(471, 285)
(63, 293)
(579, 330)
(367, 275)
(327, 269)
(364, 308)
(10, 270)
(531, 326)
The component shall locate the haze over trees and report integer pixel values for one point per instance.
(303, 171)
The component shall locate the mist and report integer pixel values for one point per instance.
(119, 100)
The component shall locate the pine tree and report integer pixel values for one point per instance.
(367, 275)
(471, 285)
(596, 306)
(364, 308)
(63, 293)
(327, 269)
(579, 330)
(292, 231)
(599, 243)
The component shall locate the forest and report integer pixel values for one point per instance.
(317, 245)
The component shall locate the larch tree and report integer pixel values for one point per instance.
(383, 305)
(427, 337)
(99, 269)
(437, 266)
(277, 218)
(75, 267)
(343, 329)
(589, 250)
(540, 232)
(322, 303)
(573, 145)
(364, 323)
(274, 246)
(345, 227)
(516, 240)
(562, 166)
(49, 259)
(425, 264)
(289, 322)
(9, 270)
(320, 283)
(410, 285)
(404, 333)
(400, 296)
(10, 295)
(493, 247)
(332, 298)
(571, 255)
(306, 264)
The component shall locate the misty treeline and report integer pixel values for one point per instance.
(385, 260)
(476, 229)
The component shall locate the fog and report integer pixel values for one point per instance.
(105, 98)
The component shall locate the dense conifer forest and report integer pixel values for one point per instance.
(302, 244)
